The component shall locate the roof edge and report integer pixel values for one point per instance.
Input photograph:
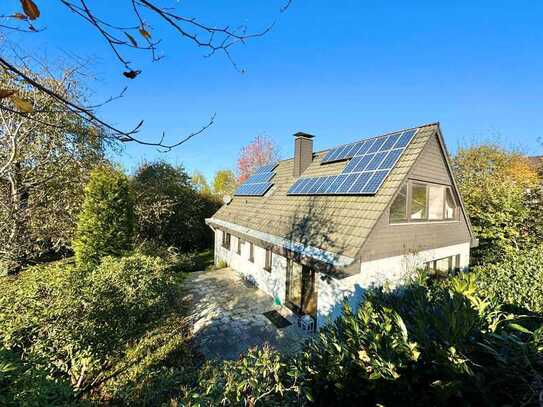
(337, 260)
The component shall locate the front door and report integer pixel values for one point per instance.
(301, 289)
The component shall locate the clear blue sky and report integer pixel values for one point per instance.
(341, 70)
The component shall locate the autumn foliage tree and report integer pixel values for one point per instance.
(499, 189)
(224, 183)
(261, 151)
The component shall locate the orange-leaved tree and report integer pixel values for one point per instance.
(261, 151)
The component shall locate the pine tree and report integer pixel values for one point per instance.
(106, 223)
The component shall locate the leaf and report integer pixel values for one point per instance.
(22, 105)
(19, 16)
(6, 93)
(520, 328)
(30, 9)
(132, 39)
(131, 74)
(144, 33)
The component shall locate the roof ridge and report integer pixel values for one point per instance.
(379, 135)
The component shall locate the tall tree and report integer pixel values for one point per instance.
(497, 187)
(224, 183)
(200, 183)
(261, 151)
(170, 211)
(42, 169)
(106, 224)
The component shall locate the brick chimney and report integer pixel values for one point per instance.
(303, 152)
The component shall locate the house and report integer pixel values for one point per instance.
(324, 226)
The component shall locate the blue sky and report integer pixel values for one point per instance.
(341, 70)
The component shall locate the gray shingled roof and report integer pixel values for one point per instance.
(336, 224)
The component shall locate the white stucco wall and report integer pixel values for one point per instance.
(273, 283)
(390, 271)
(331, 292)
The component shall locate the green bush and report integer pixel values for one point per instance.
(170, 211)
(74, 324)
(106, 224)
(516, 280)
(260, 377)
(21, 384)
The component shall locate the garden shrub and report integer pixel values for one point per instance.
(106, 224)
(75, 323)
(21, 384)
(260, 377)
(516, 280)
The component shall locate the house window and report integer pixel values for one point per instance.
(251, 252)
(398, 210)
(441, 268)
(423, 202)
(226, 240)
(268, 261)
(450, 205)
(240, 242)
(418, 202)
(436, 198)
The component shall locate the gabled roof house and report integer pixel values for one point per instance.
(321, 227)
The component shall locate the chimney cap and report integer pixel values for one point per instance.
(302, 134)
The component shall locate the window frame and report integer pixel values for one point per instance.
(268, 260)
(240, 243)
(408, 207)
(226, 240)
(251, 252)
(454, 266)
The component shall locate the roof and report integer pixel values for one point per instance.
(332, 224)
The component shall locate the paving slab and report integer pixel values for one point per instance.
(227, 319)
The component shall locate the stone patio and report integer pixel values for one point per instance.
(227, 318)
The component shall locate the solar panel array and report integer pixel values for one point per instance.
(371, 145)
(259, 183)
(370, 163)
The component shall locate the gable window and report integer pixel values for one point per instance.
(450, 205)
(417, 202)
(268, 261)
(398, 210)
(240, 242)
(251, 252)
(436, 198)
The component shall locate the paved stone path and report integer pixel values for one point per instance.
(227, 316)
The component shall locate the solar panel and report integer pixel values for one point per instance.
(405, 139)
(265, 168)
(326, 184)
(375, 182)
(370, 163)
(391, 159)
(376, 161)
(372, 145)
(391, 140)
(358, 186)
(259, 182)
(265, 177)
(346, 185)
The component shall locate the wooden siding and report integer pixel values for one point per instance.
(431, 165)
(388, 240)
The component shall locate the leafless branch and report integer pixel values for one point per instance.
(137, 36)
